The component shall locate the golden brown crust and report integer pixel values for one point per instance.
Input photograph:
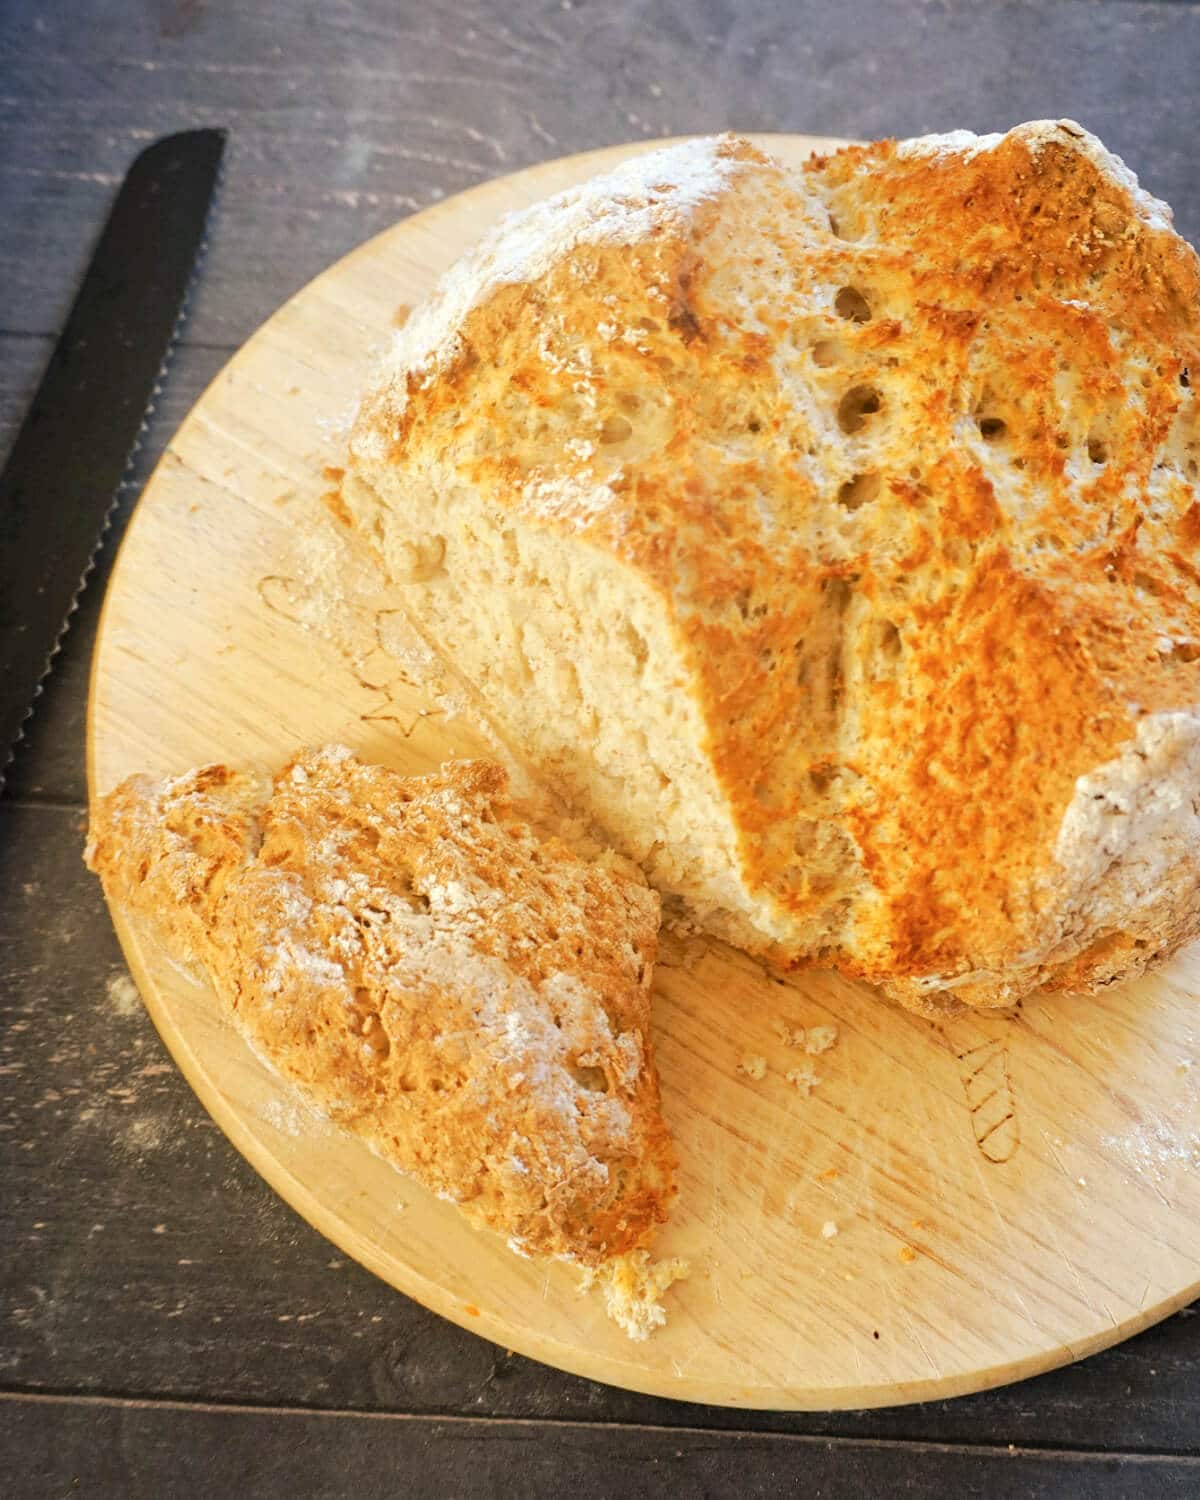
(471, 1000)
(912, 477)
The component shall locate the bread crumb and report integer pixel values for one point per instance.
(123, 995)
(811, 1039)
(828, 1230)
(753, 1066)
(907, 1254)
(820, 1039)
(633, 1285)
(804, 1079)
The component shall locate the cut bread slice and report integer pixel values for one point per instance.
(469, 998)
(828, 536)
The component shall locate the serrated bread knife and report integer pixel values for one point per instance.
(65, 469)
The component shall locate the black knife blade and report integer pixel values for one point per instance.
(61, 480)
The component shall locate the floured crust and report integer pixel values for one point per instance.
(470, 999)
(901, 447)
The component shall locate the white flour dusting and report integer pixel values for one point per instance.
(1154, 1148)
(624, 207)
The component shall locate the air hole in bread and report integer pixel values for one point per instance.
(805, 842)
(841, 230)
(1097, 449)
(890, 644)
(636, 642)
(826, 352)
(418, 562)
(402, 886)
(860, 490)
(646, 325)
(859, 403)
(821, 778)
(1147, 584)
(615, 429)
(1185, 651)
(591, 1079)
(837, 591)
(375, 1036)
(992, 429)
(852, 305)
(754, 425)
(1185, 379)
(628, 402)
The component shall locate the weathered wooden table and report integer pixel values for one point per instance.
(167, 1326)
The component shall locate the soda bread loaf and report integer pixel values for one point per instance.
(829, 536)
(470, 999)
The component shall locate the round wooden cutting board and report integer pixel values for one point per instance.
(950, 1207)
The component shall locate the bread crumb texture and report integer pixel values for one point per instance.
(469, 998)
(633, 1287)
(803, 1079)
(811, 1039)
(828, 534)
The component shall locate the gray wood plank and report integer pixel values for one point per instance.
(347, 116)
(128, 1451)
(144, 1257)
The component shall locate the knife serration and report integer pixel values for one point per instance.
(65, 470)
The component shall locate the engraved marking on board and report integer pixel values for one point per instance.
(284, 596)
(987, 1085)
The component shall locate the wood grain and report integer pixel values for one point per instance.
(970, 1248)
(142, 1450)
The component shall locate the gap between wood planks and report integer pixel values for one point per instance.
(219, 346)
(16, 1396)
(49, 803)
